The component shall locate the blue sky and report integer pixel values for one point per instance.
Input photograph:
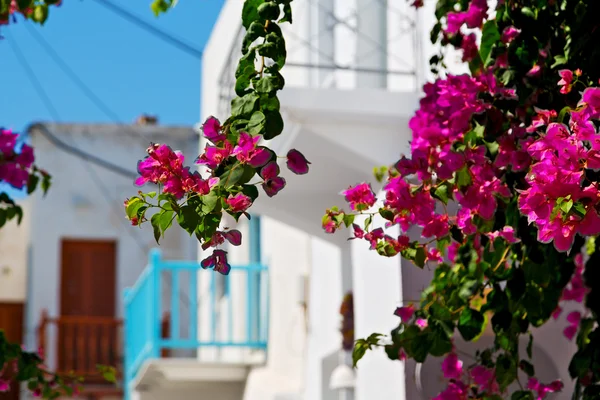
(128, 68)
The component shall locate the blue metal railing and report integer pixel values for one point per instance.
(144, 309)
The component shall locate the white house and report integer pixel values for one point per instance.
(67, 264)
(353, 77)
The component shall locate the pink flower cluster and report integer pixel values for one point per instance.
(165, 167)
(444, 120)
(221, 156)
(473, 17)
(574, 291)
(560, 200)
(478, 377)
(15, 167)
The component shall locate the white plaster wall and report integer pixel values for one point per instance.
(75, 207)
(324, 319)
(14, 245)
(287, 253)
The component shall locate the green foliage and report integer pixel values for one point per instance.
(362, 345)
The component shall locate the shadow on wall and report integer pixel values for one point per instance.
(329, 364)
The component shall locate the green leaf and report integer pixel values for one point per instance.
(3, 217)
(46, 182)
(474, 134)
(470, 324)
(241, 106)
(108, 373)
(362, 345)
(528, 12)
(527, 367)
(188, 218)
(209, 202)
(273, 125)
(522, 395)
(155, 221)
(250, 191)
(348, 219)
(269, 10)
(250, 12)
(40, 13)
(32, 183)
(489, 37)
(232, 175)
(506, 371)
(530, 346)
(257, 123)
(166, 219)
(420, 257)
(441, 193)
(269, 84)
(287, 13)
(463, 177)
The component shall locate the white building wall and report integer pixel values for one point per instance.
(84, 205)
(14, 246)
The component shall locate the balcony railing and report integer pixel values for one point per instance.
(82, 343)
(204, 309)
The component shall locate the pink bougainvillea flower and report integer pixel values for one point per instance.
(296, 162)
(485, 378)
(557, 312)
(213, 156)
(438, 227)
(454, 22)
(509, 34)
(247, 153)
(421, 323)
(573, 318)
(405, 313)
(359, 233)
(4, 386)
(452, 366)
(212, 130)
(541, 389)
(535, 71)
(218, 261)
(401, 355)
(454, 391)
(360, 197)
(566, 78)
(591, 97)
(272, 182)
(238, 203)
(469, 47)
(233, 236)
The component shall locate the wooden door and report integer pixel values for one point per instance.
(87, 306)
(11, 323)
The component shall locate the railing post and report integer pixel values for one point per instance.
(41, 334)
(154, 303)
(127, 345)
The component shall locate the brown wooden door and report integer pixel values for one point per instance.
(88, 288)
(11, 323)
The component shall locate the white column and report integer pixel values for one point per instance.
(377, 290)
(371, 43)
(324, 52)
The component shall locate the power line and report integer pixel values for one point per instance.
(95, 178)
(37, 85)
(48, 103)
(89, 93)
(181, 45)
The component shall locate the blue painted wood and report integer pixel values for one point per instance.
(175, 304)
(193, 309)
(143, 312)
(154, 306)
